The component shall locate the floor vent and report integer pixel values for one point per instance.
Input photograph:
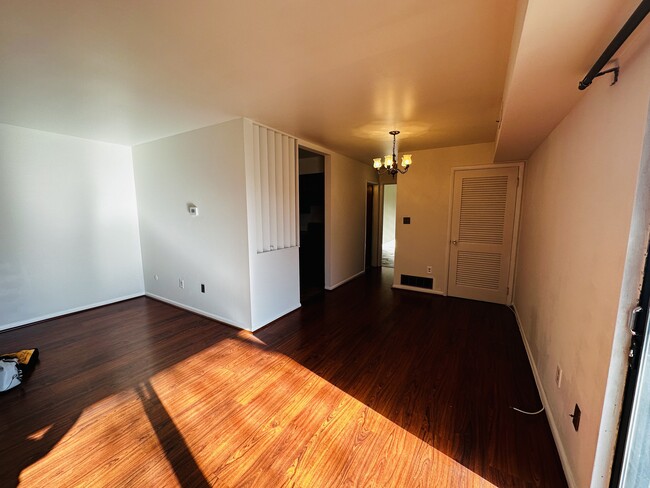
(417, 281)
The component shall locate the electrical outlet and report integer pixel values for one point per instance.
(576, 417)
(429, 269)
(558, 376)
(155, 277)
(181, 283)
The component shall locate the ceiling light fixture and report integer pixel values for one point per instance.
(389, 164)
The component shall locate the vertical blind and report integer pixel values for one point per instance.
(275, 189)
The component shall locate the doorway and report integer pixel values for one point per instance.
(484, 211)
(389, 214)
(311, 197)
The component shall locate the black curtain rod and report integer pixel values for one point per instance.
(627, 29)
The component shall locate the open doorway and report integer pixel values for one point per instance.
(312, 222)
(389, 214)
(372, 220)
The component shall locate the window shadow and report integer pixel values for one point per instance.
(176, 451)
(86, 358)
(445, 369)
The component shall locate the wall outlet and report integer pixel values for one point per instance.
(576, 417)
(181, 283)
(429, 269)
(155, 277)
(558, 376)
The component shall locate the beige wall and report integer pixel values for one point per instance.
(346, 183)
(575, 240)
(423, 195)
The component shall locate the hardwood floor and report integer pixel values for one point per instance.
(363, 386)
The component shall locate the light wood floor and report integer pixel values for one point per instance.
(363, 386)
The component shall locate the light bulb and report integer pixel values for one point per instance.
(376, 163)
(406, 160)
(388, 161)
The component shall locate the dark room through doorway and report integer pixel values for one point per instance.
(312, 222)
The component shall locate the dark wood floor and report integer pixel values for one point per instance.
(363, 386)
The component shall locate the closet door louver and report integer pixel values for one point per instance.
(482, 230)
(275, 166)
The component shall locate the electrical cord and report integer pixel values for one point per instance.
(528, 413)
(512, 309)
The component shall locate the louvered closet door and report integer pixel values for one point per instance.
(483, 215)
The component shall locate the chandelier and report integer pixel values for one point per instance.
(389, 164)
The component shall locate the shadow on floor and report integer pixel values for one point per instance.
(445, 369)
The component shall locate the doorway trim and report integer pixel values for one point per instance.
(516, 226)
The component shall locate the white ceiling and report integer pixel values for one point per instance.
(337, 73)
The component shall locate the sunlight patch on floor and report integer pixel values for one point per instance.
(110, 443)
(235, 414)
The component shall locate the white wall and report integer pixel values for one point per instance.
(274, 275)
(204, 167)
(275, 285)
(69, 229)
(575, 243)
(212, 168)
(424, 195)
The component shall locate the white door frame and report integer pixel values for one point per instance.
(515, 230)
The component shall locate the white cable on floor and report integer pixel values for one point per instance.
(528, 413)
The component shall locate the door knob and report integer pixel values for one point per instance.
(454, 243)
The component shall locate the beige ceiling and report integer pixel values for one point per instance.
(555, 44)
(337, 73)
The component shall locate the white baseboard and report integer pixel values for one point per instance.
(69, 311)
(421, 290)
(564, 459)
(332, 287)
(276, 317)
(198, 311)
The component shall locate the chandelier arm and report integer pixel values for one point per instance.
(393, 169)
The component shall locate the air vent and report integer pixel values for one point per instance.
(417, 281)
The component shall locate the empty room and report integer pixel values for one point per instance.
(321, 244)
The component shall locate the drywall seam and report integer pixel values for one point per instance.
(345, 281)
(549, 415)
(69, 311)
(198, 311)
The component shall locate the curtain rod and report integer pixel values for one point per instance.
(627, 29)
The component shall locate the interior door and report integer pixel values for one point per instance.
(482, 228)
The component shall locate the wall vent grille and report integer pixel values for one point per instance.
(417, 281)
